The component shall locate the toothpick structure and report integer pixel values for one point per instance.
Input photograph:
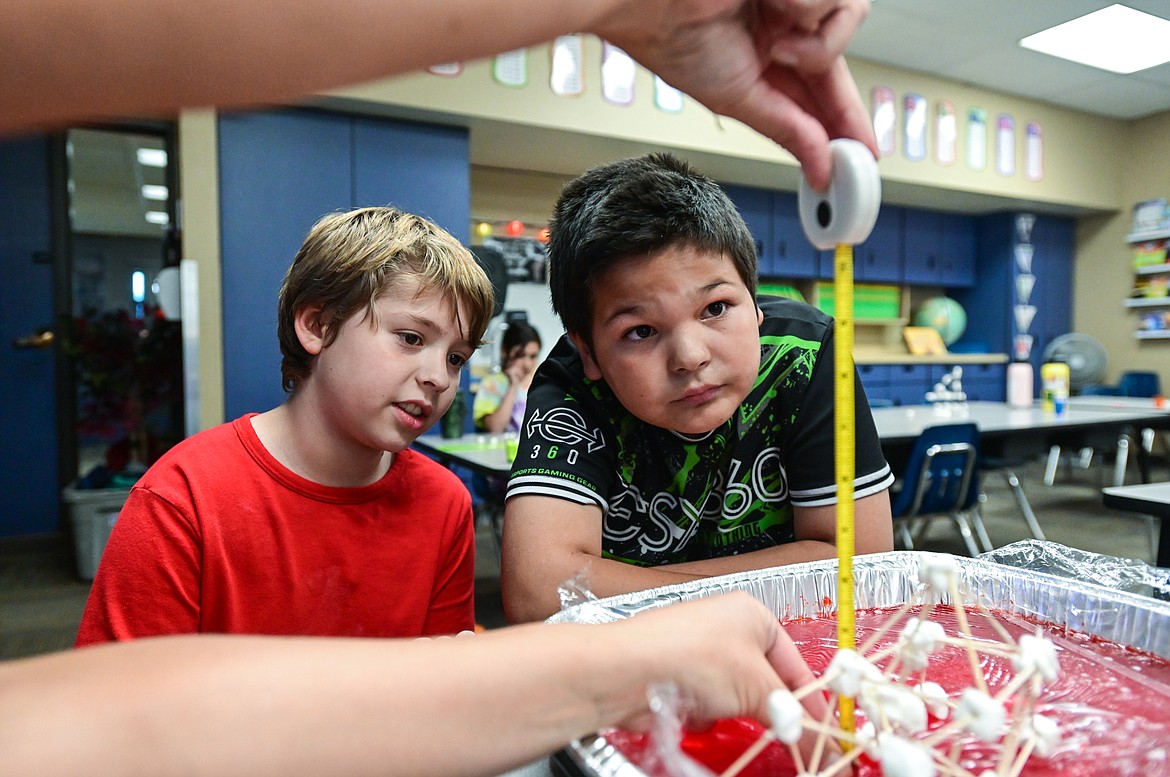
(898, 702)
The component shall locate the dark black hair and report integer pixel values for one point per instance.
(636, 207)
(520, 334)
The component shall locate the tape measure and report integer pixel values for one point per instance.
(838, 219)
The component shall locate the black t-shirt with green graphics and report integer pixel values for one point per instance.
(667, 499)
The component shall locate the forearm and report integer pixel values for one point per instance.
(497, 420)
(67, 58)
(201, 705)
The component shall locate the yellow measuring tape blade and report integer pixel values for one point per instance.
(844, 440)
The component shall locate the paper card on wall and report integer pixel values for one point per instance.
(446, 69)
(566, 78)
(617, 75)
(666, 97)
(1025, 282)
(1024, 224)
(1005, 145)
(977, 139)
(1022, 345)
(946, 132)
(884, 119)
(511, 67)
(1024, 315)
(1034, 152)
(914, 117)
(1023, 253)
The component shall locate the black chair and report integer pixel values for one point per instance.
(942, 480)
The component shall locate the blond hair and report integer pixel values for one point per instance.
(349, 259)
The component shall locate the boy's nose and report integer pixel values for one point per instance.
(689, 353)
(434, 372)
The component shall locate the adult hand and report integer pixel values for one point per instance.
(775, 65)
(726, 654)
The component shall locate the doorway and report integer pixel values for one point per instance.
(123, 338)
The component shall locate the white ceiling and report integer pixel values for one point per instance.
(976, 42)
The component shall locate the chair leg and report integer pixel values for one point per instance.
(1121, 461)
(964, 525)
(1022, 500)
(904, 533)
(976, 515)
(1052, 464)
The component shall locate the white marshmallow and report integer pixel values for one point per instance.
(893, 704)
(935, 698)
(850, 669)
(937, 572)
(1037, 654)
(982, 715)
(787, 716)
(903, 758)
(1044, 733)
(867, 739)
(918, 640)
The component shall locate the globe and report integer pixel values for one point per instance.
(943, 315)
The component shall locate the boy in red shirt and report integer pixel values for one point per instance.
(315, 518)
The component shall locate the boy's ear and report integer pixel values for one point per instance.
(759, 316)
(310, 331)
(592, 371)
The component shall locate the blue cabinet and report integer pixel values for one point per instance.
(879, 258)
(939, 249)
(279, 172)
(907, 383)
(989, 306)
(774, 221)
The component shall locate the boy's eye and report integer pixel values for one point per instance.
(716, 309)
(457, 360)
(410, 338)
(639, 332)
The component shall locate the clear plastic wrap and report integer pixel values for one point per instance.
(1120, 574)
(889, 580)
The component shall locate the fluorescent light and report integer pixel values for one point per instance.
(152, 157)
(158, 217)
(1118, 39)
(152, 191)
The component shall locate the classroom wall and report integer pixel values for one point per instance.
(1104, 274)
(525, 142)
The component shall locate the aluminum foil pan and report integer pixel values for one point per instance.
(889, 580)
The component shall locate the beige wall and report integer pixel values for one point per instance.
(1103, 273)
(525, 142)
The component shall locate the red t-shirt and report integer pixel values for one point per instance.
(219, 537)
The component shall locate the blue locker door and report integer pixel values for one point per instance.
(278, 173)
(755, 205)
(28, 415)
(794, 255)
(879, 258)
(419, 168)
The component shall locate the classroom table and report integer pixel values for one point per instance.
(999, 420)
(483, 453)
(1148, 499)
(1002, 428)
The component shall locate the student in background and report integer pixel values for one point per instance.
(316, 517)
(682, 428)
(502, 396)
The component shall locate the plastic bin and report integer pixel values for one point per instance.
(92, 513)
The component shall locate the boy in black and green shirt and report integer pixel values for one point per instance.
(680, 429)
